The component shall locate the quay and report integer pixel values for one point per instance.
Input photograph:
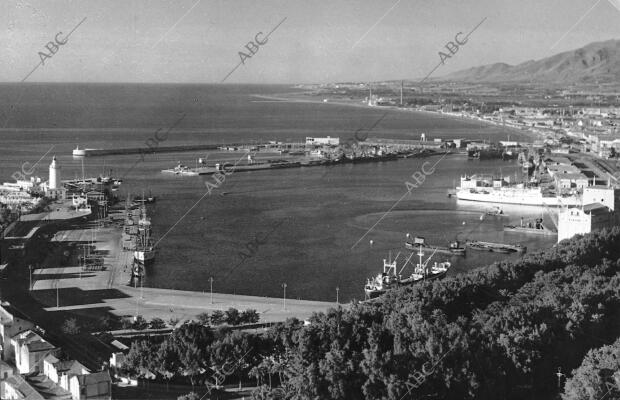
(159, 149)
(67, 287)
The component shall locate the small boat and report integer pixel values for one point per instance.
(496, 211)
(496, 247)
(180, 169)
(454, 248)
(537, 228)
(145, 199)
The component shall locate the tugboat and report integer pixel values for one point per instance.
(536, 228)
(390, 279)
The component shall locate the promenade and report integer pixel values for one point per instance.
(70, 288)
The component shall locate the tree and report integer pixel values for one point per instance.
(140, 360)
(107, 322)
(126, 324)
(598, 375)
(204, 318)
(70, 327)
(190, 342)
(139, 323)
(157, 323)
(232, 316)
(249, 316)
(217, 317)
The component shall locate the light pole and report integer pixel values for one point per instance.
(211, 281)
(337, 290)
(284, 297)
(57, 297)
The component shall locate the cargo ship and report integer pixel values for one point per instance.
(388, 279)
(391, 279)
(498, 190)
(144, 252)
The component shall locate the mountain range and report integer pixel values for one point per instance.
(595, 63)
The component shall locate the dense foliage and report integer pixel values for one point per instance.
(500, 332)
(597, 377)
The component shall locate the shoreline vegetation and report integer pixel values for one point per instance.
(499, 332)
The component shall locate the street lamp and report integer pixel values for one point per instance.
(284, 297)
(337, 290)
(211, 281)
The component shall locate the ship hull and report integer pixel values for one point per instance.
(374, 293)
(496, 247)
(144, 257)
(459, 251)
(515, 196)
(521, 229)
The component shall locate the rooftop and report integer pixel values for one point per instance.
(47, 388)
(39, 346)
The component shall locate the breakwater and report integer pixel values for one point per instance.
(145, 150)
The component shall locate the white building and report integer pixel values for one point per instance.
(30, 350)
(61, 371)
(11, 323)
(53, 188)
(322, 141)
(598, 212)
(54, 182)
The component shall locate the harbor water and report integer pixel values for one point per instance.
(315, 229)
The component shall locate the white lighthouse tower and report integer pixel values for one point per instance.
(54, 182)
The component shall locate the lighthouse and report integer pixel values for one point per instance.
(54, 181)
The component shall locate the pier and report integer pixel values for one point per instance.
(159, 149)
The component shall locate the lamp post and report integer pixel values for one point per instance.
(337, 290)
(284, 297)
(211, 281)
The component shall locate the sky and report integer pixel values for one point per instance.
(318, 41)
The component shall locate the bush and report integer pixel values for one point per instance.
(127, 324)
(108, 323)
(249, 317)
(217, 317)
(139, 323)
(157, 323)
(204, 318)
(232, 316)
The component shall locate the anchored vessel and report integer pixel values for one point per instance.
(144, 252)
(537, 228)
(499, 190)
(390, 278)
(454, 248)
(496, 247)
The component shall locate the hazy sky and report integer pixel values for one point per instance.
(169, 41)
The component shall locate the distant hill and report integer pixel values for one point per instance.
(597, 62)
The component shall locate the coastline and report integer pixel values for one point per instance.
(284, 99)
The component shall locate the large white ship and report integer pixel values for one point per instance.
(499, 190)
